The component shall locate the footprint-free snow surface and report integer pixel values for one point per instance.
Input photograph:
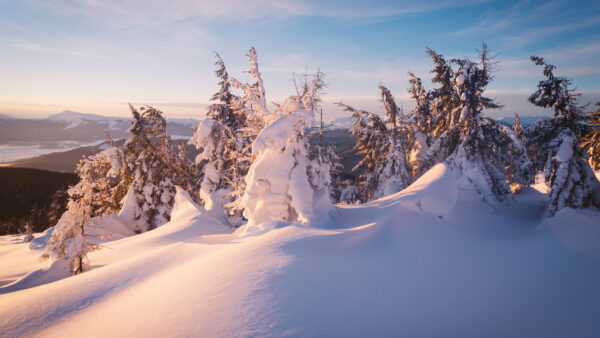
(429, 261)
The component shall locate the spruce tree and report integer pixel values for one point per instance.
(555, 142)
(150, 156)
(520, 171)
(92, 196)
(383, 147)
(283, 183)
(421, 134)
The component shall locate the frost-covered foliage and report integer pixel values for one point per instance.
(228, 107)
(149, 163)
(555, 145)
(590, 140)
(95, 195)
(217, 161)
(254, 101)
(383, 147)
(463, 138)
(421, 134)
(519, 168)
(283, 182)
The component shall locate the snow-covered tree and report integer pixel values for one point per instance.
(556, 146)
(383, 147)
(94, 195)
(283, 183)
(58, 206)
(421, 134)
(254, 100)
(228, 107)
(217, 160)
(150, 156)
(520, 171)
(590, 140)
(473, 157)
(463, 138)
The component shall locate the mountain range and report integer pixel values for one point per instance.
(77, 127)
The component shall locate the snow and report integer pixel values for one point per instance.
(385, 268)
(74, 119)
(433, 193)
(276, 135)
(565, 150)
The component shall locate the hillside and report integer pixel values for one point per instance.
(429, 261)
(22, 188)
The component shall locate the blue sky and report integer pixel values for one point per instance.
(95, 56)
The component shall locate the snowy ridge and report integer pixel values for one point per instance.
(382, 268)
(74, 119)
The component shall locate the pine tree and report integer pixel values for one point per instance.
(150, 156)
(218, 161)
(519, 168)
(254, 100)
(89, 198)
(555, 142)
(228, 108)
(590, 140)
(421, 135)
(383, 146)
(283, 183)
(58, 206)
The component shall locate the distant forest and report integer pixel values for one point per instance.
(26, 195)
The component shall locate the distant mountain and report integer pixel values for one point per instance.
(341, 123)
(8, 117)
(75, 119)
(525, 120)
(78, 127)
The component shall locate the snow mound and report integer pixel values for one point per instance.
(435, 192)
(578, 230)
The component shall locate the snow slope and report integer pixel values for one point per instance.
(391, 267)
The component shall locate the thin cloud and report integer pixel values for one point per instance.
(51, 50)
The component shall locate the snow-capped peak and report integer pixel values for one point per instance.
(75, 118)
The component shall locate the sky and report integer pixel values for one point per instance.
(96, 56)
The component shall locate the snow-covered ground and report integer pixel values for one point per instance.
(429, 261)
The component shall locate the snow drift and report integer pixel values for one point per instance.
(387, 268)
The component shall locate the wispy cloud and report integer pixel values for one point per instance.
(45, 49)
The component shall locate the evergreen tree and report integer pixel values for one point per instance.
(590, 140)
(283, 183)
(421, 135)
(58, 206)
(218, 161)
(88, 198)
(520, 171)
(150, 156)
(254, 101)
(555, 143)
(383, 147)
